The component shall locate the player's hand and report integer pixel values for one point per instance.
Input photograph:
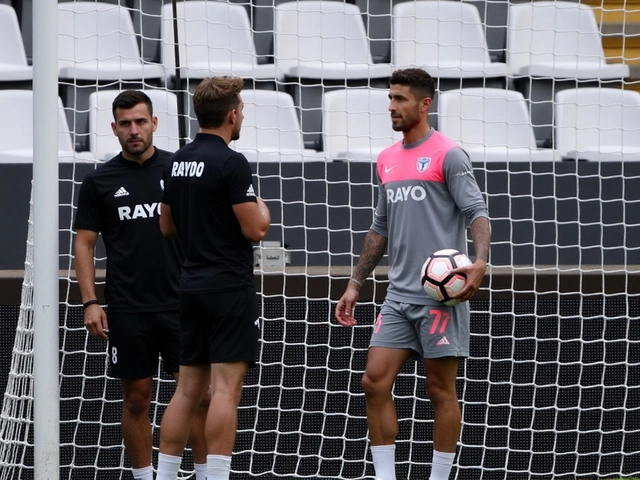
(474, 273)
(346, 306)
(95, 321)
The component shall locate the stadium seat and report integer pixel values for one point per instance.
(552, 46)
(492, 125)
(97, 47)
(16, 129)
(445, 37)
(357, 124)
(104, 144)
(271, 129)
(599, 124)
(323, 40)
(557, 39)
(319, 46)
(97, 42)
(215, 39)
(13, 59)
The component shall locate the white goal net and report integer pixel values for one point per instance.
(551, 389)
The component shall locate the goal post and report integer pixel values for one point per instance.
(551, 387)
(46, 401)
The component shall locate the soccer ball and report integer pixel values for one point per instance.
(436, 277)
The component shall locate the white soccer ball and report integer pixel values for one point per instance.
(436, 277)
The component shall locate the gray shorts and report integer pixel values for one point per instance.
(430, 331)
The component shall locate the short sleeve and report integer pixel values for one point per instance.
(166, 176)
(379, 224)
(89, 214)
(240, 180)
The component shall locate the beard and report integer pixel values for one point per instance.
(137, 148)
(404, 124)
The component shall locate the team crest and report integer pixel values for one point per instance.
(423, 164)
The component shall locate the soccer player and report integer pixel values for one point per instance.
(210, 204)
(121, 200)
(427, 196)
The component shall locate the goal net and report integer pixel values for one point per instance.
(552, 386)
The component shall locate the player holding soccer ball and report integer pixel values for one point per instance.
(427, 197)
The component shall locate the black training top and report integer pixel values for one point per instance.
(203, 182)
(121, 200)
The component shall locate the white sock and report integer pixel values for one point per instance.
(168, 466)
(441, 465)
(384, 461)
(218, 467)
(201, 471)
(144, 473)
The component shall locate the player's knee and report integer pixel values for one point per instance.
(136, 403)
(371, 386)
(440, 393)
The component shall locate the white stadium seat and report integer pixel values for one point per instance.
(445, 37)
(96, 41)
(357, 124)
(557, 39)
(600, 124)
(323, 40)
(13, 59)
(215, 39)
(271, 129)
(16, 130)
(491, 124)
(103, 144)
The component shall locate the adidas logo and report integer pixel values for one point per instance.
(121, 192)
(257, 322)
(250, 192)
(443, 341)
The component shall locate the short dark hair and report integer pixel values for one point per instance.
(130, 98)
(214, 98)
(419, 82)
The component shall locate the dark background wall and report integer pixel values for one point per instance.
(560, 213)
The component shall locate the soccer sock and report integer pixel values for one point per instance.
(384, 461)
(218, 467)
(201, 471)
(144, 473)
(168, 466)
(441, 465)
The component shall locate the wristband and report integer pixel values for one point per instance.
(357, 282)
(90, 302)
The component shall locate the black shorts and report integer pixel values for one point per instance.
(137, 339)
(219, 327)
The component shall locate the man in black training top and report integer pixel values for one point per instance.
(209, 202)
(121, 200)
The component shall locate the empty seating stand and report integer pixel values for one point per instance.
(601, 124)
(319, 45)
(97, 47)
(491, 125)
(553, 45)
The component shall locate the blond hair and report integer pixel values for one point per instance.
(214, 98)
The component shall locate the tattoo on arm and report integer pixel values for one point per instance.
(374, 248)
(481, 236)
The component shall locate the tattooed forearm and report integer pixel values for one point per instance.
(374, 248)
(481, 236)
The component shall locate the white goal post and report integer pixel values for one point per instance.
(552, 384)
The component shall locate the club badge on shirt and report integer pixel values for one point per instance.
(423, 164)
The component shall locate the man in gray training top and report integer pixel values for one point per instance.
(427, 196)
